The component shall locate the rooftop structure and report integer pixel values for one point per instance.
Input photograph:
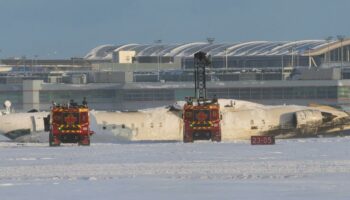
(252, 54)
(252, 48)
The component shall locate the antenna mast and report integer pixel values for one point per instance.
(200, 62)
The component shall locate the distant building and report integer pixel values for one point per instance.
(132, 96)
(133, 76)
(243, 55)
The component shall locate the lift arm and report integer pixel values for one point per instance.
(200, 62)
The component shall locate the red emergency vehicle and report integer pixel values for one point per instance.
(202, 121)
(69, 124)
(201, 116)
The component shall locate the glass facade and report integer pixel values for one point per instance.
(181, 94)
(344, 92)
(328, 92)
(97, 99)
(149, 95)
(14, 96)
(113, 98)
(252, 62)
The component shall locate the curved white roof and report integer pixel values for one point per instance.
(251, 48)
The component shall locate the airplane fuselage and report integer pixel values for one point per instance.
(240, 120)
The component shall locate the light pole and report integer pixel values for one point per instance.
(210, 40)
(32, 65)
(226, 66)
(292, 54)
(341, 39)
(328, 39)
(309, 55)
(24, 63)
(282, 75)
(158, 58)
(35, 62)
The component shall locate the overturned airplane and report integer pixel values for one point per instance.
(239, 120)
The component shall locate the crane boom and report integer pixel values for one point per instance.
(201, 61)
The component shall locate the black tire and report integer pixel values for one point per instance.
(188, 140)
(51, 141)
(216, 139)
(85, 144)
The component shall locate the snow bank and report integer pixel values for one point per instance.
(291, 169)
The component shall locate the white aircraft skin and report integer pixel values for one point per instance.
(275, 120)
(240, 120)
(24, 127)
(153, 124)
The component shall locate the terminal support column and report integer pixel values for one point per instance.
(31, 91)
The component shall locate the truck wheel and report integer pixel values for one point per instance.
(52, 141)
(188, 139)
(216, 139)
(85, 141)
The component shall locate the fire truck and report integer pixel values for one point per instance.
(69, 123)
(201, 116)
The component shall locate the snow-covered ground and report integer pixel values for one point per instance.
(316, 168)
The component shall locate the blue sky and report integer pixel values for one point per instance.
(67, 28)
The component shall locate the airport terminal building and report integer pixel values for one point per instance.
(243, 55)
(133, 76)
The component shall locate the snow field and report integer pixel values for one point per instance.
(317, 168)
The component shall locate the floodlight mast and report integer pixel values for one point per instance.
(201, 61)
